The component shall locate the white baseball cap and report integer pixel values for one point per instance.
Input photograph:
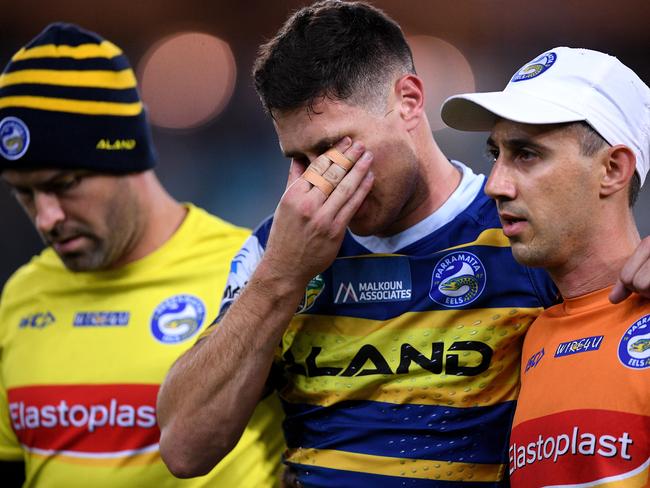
(566, 85)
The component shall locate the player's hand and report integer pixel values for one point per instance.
(309, 224)
(635, 275)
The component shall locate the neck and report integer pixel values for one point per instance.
(160, 216)
(438, 180)
(599, 263)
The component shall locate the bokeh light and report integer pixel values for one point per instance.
(444, 70)
(187, 79)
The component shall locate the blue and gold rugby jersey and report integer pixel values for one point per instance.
(401, 367)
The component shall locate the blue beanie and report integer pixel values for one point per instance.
(69, 100)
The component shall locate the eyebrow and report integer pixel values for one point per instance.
(518, 143)
(318, 148)
(40, 184)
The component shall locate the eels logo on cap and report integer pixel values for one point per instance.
(634, 347)
(178, 318)
(457, 279)
(14, 138)
(535, 68)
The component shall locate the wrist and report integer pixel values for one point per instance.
(277, 283)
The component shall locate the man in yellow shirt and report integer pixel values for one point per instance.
(130, 276)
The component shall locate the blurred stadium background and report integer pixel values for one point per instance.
(216, 146)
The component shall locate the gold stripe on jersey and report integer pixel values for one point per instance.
(105, 49)
(73, 106)
(489, 237)
(142, 459)
(400, 467)
(116, 80)
(380, 376)
(477, 321)
(402, 390)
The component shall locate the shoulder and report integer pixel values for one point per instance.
(37, 270)
(204, 233)
(42, 273)
(213, 225)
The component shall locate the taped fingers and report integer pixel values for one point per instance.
(328, 178)
(339, 159)
(318, 181)
(350, 186)
(327, 170)
(319, 165)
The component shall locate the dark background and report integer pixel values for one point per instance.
(231, 165)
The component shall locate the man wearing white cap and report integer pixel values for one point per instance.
(571, 146)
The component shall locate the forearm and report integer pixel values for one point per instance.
(210, 393)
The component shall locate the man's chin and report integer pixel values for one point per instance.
(74, 263)
(527, 256)
(80, 262)
(361, 227)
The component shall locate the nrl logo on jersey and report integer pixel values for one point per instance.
(312, 292)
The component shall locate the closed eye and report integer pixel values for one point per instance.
(523, 154)
(491, 154)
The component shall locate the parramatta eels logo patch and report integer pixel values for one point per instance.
(178, 318)
(457, 279)
(312, 292)
(14, 138)
(535, 68)
(634, 347)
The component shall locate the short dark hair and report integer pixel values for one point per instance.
(340, 50)
(591, 142)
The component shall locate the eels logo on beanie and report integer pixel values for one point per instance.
(69, 100)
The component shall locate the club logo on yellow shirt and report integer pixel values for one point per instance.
(177, 319)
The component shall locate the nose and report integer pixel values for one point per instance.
(48, 212)
(500, 184)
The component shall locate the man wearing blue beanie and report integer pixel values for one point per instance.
(89, 327)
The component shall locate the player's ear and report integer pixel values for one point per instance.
(619, 164)
(409, 91)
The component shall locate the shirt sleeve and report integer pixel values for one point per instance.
(10, 449)
(242, 267)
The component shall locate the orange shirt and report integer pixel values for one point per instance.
(583, 414)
